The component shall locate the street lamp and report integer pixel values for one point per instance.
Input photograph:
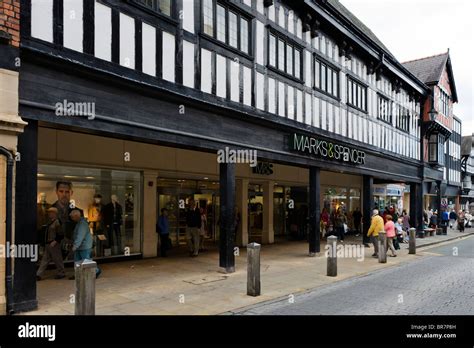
(432, 113)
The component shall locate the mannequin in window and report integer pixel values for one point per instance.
(42, 212)
(95, 213)
(95, 223)
(112, 217)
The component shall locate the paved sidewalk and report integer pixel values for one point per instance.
(437, 285)
(452, 234)
(195, 286)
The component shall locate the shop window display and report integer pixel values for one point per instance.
(348, 199)
(108, 199)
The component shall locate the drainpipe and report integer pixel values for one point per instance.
(8, 227)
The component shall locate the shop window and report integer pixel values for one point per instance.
(109, 200)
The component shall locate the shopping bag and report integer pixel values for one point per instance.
(346, 229)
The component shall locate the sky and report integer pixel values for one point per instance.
(413, 29)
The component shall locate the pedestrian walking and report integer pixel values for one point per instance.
(461, 221)
(82, 240)
(376, 225)
(445, 221)
(193, 224)
(325, 222)
(357, 218)
(434, 220)
(390, 230)
(452, 218)
(339, 222)
(405, 221)
(52, 249)
(163, 231)
(202, 229)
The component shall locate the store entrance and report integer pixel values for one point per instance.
(255, 213)
(175, 194)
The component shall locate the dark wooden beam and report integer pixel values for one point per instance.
(367, 205)
(314, 210)
(227, 202)
(24, 281)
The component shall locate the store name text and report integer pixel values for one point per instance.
(326, 149)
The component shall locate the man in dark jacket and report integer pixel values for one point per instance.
(357, 217)
(452, 218)
(163, 231)
(445, 221)
(52, 249)
(193, 224)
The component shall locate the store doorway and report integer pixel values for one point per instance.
(175, 195)
(255, 213)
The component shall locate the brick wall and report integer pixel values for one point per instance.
(10, 20)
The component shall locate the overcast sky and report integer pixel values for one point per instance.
(413, 29)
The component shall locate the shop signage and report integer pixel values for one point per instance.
(326, 149)
(393, 192)
(380, 191)
(263, 168)
(444, 202)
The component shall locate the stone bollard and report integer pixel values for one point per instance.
(85, 287)
(382, 247)
(332, 256)
(412, 241)
(253, 269)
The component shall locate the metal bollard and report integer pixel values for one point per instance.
(253, 269)
(332, 256)
(85, 287)
(382, 247)
(412, 241)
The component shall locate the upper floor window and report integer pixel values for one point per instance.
(384, 109)
(444, 103)
(228, 26)
(208, 17)
(356, 94)
(436, 149)
(284, 55)
(326, 78)
(161, 6)
(403, 118)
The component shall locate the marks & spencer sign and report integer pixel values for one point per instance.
(326, 149)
